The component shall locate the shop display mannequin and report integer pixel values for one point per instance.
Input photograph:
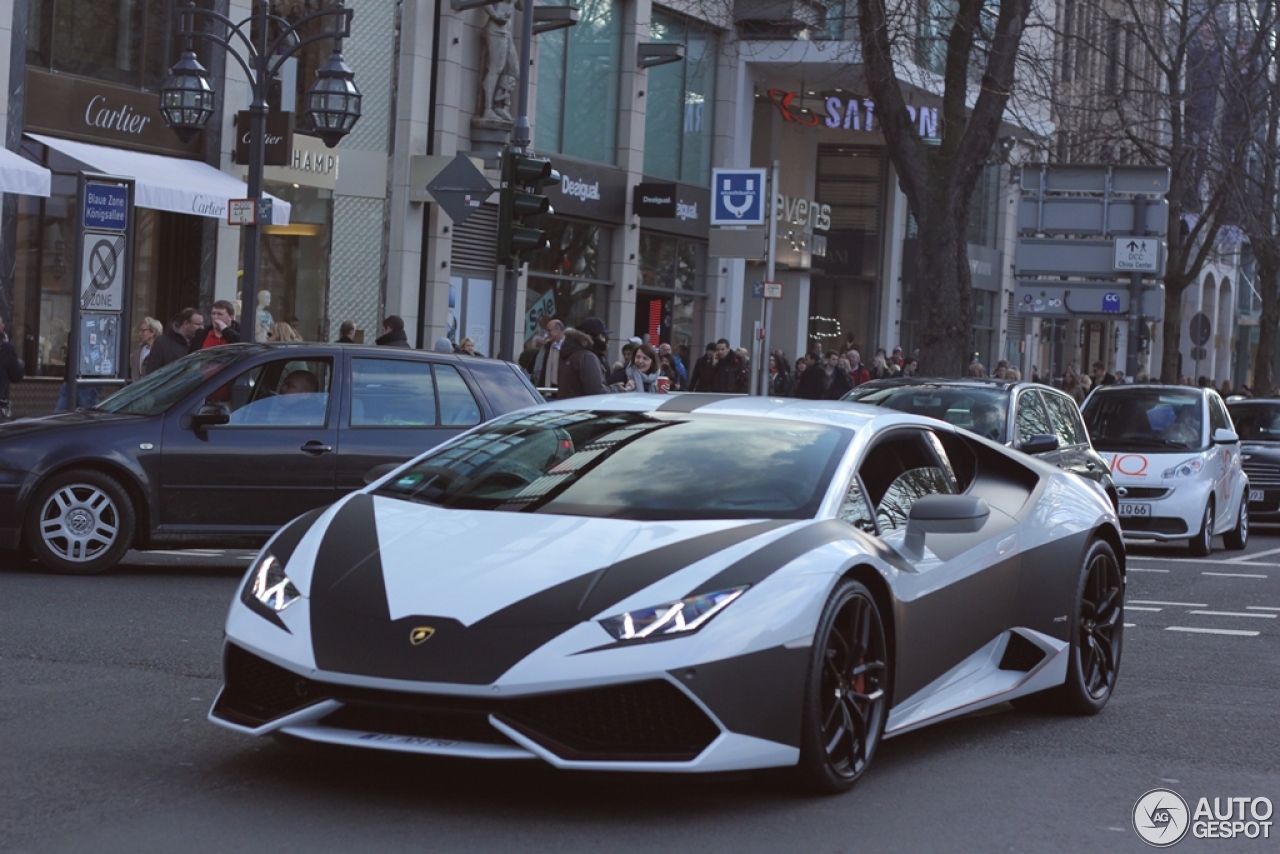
(263, 319)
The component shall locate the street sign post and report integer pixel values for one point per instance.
(738, 197)
(460, 189)
(242, 212)
(772, 290)
(1138, 255)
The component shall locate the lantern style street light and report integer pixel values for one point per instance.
(260, 43)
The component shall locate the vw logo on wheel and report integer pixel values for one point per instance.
(1161, 818)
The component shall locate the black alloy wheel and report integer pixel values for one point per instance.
(1238, 537)
(1202, 543)
(1097, 636)
(847, 695)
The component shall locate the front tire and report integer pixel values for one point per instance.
(1202, 543)
(1238, 537)
(80, 522)
(847, 692)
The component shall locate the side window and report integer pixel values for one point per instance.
(458, 408)
(856, 511)
(505, 389)
(1030, 418)
(1218, 418)
(282, 393)
(392, 393)
(901, 469)
(1065, 416)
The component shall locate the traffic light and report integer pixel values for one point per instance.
(521, 204)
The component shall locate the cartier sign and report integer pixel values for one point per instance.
(103, 113)
(278, 141)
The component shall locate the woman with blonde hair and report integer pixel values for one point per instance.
(148, 329)
(467, 347)
(283, 333)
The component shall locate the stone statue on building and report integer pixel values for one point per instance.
(499, 63)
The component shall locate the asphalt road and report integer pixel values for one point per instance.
(104, 746)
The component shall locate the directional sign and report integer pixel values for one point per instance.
(738, 197)
(106, 207)
(102, 273)
(1089, 300)
(460, 189)
(1137, 255)
(1093, 259)
(242, 212)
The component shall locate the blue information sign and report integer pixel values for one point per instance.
(106, 207)
(738, 197)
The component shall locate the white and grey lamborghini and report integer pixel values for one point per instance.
(681, 584)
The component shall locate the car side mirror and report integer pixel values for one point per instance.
(943, 514)
(379, 472)
(1041, 443)
(1223, 436)
(210, 415)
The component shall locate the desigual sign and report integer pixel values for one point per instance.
(852, 113)
(589, 190)
(686, 212)
(101, 113)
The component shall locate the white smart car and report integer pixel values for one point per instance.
(1175, 458)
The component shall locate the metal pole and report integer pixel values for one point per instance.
(520, 140)
(71, 367)
(1135, 294)
(257, 154)
(770, 270)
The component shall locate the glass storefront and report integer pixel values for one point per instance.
(122, 41)
(166, 266)
(842, 296)
(295, 260)
(681, 97)
(567, 280)
(672, 291)
(579, 74)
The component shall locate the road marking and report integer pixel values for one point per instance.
(1243, 558)
(1130, 625)
(1235, 574)
(1175, 604)
(1136, 608)
(1232, 632)
(1143, 569)
(1261, 608)
(1232, 614)
(187, 553)
(1200, 561)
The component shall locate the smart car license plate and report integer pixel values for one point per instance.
(1257, 495)
(1128, 508)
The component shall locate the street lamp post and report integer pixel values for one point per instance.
(187, 98)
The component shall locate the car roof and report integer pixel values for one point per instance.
(258, 347)
(976, 383)
(1160, 387)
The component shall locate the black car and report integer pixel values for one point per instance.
(225, 446)
(1258, 423)
(1029, 417)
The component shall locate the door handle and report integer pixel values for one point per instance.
(315, 448)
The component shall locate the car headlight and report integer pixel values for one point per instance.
(270, 586)
(1187, 468)
(687, 615)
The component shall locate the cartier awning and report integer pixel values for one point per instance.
(166, 183)
(19, 175)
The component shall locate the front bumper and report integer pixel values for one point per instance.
(1175, 509)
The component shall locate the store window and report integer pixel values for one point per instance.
(123, 41)
(579, 73)
(567, 280)
(672, 291)
(681, 95)
(166, 266)
(298, 72)
(471, 310)
(294, 262)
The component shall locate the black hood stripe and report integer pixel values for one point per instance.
(689, 401)
(352, 631)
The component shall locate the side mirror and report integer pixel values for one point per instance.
(1041, 443)
(210, 415)
(1223, 436)
(943, 514)
(379, 472)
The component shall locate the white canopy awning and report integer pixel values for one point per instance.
(19, 175)
(166, 183)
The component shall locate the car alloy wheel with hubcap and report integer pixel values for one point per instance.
(1238, 537)
(848, 691)
(80, 523)
(1099, 629)
(1202, 544)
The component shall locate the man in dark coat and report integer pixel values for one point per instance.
(393, 334)
(580, 373)
(595, 329)
(702, 370)
(176, 340)
(347, 333)
(729, 376)
(813, 382)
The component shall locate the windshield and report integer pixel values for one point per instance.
(631, 465)
(1145, 419)
(978, 410)
(155, 393)
(1256, 422)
